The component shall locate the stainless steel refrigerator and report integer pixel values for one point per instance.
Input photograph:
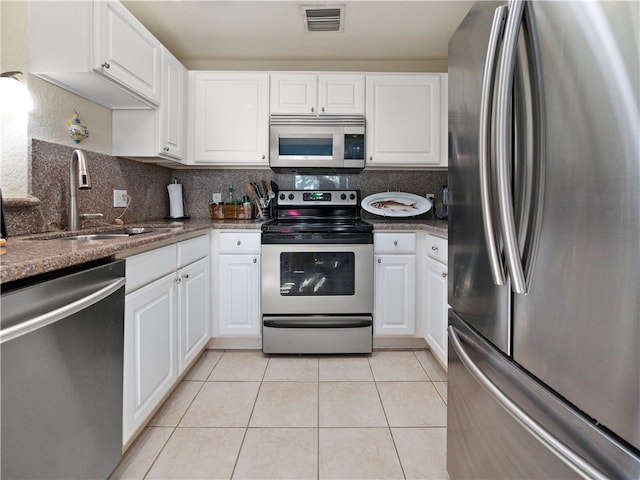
(544, 241)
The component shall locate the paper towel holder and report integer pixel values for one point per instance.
(185, 213)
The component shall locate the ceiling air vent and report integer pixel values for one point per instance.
(323, 18)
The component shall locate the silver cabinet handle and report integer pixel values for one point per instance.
(177, 281)
(263, 157)
(105, 65)
(313, 109)
(166, 149)
(506, 67)
(255, 260)
(238, 242)
(395, 243)
(434, 248)
(48, 318)
(555, 446)
(322, 109)
(379, 260)
(444, 274)
(484, 147)
(185, 276)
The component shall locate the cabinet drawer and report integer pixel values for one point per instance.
(394, 242)
(437, 248)
(149, 266)
(193, 249)
(239, 242)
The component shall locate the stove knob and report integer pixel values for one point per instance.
(282, 197)
(352, 196)
(343, 196)
(291, 197)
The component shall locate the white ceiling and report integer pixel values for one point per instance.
(238, 30)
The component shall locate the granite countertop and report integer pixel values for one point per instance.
(29, 255)
(399, 223)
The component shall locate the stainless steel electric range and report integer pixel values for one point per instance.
(317, 274)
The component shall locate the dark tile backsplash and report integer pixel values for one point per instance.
(146, 185)
(199, 185)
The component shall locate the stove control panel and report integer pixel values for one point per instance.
(319, 197)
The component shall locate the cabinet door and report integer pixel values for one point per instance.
(341, 94)
(161, 132)
(194, 300)
(436, 309)
(150, 357)
(238, 296)
(125, 50)
(173, 109)
(405, 120)
(294, 93)
(229, 118)
(394, 310)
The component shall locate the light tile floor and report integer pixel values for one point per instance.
(245, 415)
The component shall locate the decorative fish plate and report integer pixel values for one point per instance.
(396, 204)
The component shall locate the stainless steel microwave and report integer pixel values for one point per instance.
(323, 144)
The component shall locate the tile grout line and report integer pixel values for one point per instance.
(164, 445)
(318, 425)
(246, 428)
(395, 447)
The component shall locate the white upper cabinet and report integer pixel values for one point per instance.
(96, 49)
(229, 118)
(406, 120)
(159, 133)
(317, 93)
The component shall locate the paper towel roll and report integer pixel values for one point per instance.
(176, 207)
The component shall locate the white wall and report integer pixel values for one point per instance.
(52, 107)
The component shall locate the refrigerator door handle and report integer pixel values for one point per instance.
(506, 69)
(553, 444)
(484, 147)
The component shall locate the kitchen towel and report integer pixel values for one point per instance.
(176, 207)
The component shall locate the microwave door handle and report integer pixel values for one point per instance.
(506, 69)
(484, 147)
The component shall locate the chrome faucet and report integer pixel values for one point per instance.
(78, 179)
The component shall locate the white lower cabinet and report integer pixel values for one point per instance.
(167, 324)
(395, 280)
(194, 300)
(435, 299)
(150, 350)
(237, 289)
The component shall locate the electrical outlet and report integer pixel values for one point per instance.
(430, 197)
(119, 198)
(217, 198)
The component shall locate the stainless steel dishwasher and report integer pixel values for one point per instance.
(61, 349)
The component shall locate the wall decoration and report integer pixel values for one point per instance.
(76, 129)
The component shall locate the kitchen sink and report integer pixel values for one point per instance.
(107, 235)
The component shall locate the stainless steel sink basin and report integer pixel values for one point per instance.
(95, 236)
(109, 234)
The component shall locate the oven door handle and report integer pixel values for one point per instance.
(318, 322)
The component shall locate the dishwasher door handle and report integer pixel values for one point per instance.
(53, 316)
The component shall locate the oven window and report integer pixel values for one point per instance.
(311, 274)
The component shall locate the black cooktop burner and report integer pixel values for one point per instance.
(330, 216)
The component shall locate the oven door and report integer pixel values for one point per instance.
(315, 279)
